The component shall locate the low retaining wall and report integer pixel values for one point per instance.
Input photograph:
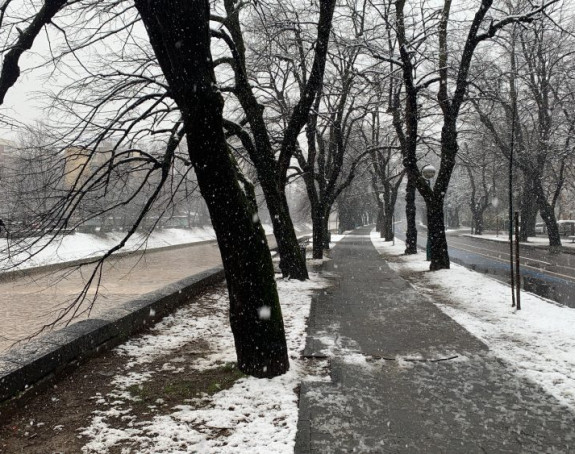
(23, 367)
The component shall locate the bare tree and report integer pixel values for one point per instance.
(336, 145)
(451, 75)
(272, 171)
(478, 163)
(532, 114)
(180, 37)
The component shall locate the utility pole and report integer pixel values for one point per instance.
(517, 265)
(511, 147)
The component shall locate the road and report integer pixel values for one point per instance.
(549, 275)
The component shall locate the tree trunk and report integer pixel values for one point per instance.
(389, 205)
(272, 174)
(528, 210)
(292, 262)
(548, 215)
(410, 212)
(477, 214)
(389, 200)
(317, 220)
(388, 228)
(380, 218)
(326, 232)
(436, 232)
(180, 36)
(434, 200)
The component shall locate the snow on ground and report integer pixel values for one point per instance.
(502, 236)
(259, 415)
(538, 342)
(533, 241)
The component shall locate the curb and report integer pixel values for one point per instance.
(28, 365)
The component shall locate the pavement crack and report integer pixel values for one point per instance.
(421, 360)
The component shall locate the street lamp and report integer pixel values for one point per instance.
(380, 223)
(428, 172)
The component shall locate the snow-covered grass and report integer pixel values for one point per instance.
(258, 415)
(538, 342)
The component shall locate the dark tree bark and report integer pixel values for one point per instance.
(321, 234)
(180, 36)
(317, 219)
(272, 172)
(437, 239)
(389, 205)
(10, 66)
(547, 211)
(326, 232)
(410, 212)
(379, 220)
(450, 100)
(528, 210)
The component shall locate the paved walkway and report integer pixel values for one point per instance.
(440, 391)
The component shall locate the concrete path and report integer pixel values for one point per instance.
(440, 390)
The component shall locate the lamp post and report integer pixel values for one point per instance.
(428, 172)
(380, 219)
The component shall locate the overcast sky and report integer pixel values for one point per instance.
(23, 100)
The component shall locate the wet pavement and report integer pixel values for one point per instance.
(406, 378)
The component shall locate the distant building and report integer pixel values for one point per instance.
(83, 161)
(8, 153)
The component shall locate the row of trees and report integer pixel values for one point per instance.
(36, 175)
(317, 91)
